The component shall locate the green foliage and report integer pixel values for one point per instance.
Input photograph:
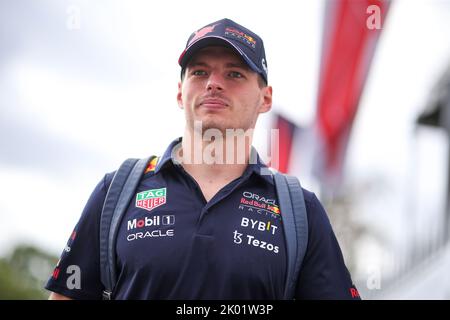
(24, 273)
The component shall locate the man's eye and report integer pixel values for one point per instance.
(235, 74)
(199, 73)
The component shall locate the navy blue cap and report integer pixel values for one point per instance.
(227, 32)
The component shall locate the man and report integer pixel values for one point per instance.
(205, 222)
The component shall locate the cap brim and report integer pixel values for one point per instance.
(209, 41)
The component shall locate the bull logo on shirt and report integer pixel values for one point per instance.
(151, 199)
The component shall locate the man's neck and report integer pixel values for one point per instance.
(220, 160)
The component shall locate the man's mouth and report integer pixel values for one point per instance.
(213, 103)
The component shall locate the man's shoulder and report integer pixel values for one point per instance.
(314, 208)
(108, 178)
(149, 170)
(309, 196)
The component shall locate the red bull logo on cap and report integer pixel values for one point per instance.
(201, 33)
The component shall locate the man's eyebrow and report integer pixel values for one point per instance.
(197, 64)
(237, 65)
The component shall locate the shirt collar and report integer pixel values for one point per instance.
(256, 164)
(167, 156)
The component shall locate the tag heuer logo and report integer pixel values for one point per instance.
(151, 199)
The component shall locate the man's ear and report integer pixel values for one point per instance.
(266, 103)
(180, 96)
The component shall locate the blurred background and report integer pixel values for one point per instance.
(361, 102)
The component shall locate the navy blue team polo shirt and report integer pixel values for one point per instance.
(173, 244)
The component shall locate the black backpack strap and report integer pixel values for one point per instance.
(117, 199)
(295, 225)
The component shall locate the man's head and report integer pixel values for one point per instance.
(228, 33)
(224, 77)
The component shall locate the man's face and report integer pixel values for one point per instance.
(220, 90)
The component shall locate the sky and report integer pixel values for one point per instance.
(87, 84)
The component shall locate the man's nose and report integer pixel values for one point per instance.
(215, 82)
